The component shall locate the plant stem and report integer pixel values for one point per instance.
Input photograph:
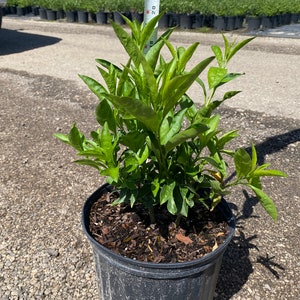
(152, 215)
(178, 219)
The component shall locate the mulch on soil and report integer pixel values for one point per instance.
(127, 231)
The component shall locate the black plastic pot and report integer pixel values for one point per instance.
(239, 20)
(266, 22)
(253, 23)
(199, 19)
(43, 14)
(123, 278)
(219, 23)
(60, 14)
(83, 16)
(71, 16)
(164, 21)
(51, 14)
(21, 11)
(186, 21)
(230, 23)
(101, 17)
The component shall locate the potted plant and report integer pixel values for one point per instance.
(160, 225)
(136, 10)
(70, 7)
(101, 11)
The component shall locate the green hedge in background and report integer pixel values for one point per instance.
(207, 7)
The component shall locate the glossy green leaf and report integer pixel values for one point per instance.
(63, 137)
(104, 114)
(215, 76)
(76, 139)
(170, 127)
(112, 172)
(230, 94)
(269, 173)
(139, 110)
(171, 206)
(237, 47)
(97, 88)
(219, 56)
(184, 135)
(88, 162)
(265, 201)
(254, 157)
(243, 163)
(166, 194)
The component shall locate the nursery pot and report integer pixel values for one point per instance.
(51, 15)
(83, 16)
(164, 21)
(219, 23)
(186, 21)
(43, 14)
(71, 16)
(253, 23)
(123, 278)
(101, 17)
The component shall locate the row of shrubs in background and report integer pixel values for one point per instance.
(197, 13)
(206, 7)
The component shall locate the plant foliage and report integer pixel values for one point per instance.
(153, 143)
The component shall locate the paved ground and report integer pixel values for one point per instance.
(40, 189)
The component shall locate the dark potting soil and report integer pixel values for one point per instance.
(128, 231)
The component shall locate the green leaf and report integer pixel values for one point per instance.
(143, 154)
(134, 140)
(183, 201)
(139, 110)
(185, 57)
(97, 88)
(130, 162)
(166, 194)
(269, 173)
(237, 47)
(226, 138)
(155, 185)
(171, 206)
(218, 53)
(63, 137)
(76, 138)
(184, 135)
(112, 172)
(138, 58)
(177, 86)
(88, 162)
(107, 144)
(243, 163)
(153, 53)
(230, 94)
(265, 201)
(215, 76)
(254, 157)
(104, 114)
(169, 128)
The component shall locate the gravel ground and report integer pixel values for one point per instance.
(43, 253)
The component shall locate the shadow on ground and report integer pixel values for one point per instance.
(275, 143)
(13, 41)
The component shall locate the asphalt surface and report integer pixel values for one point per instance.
(43, 253)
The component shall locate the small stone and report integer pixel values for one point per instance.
(52, 252)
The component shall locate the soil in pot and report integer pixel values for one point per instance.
(127, 231)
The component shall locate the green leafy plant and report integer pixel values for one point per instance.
(153, 143)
